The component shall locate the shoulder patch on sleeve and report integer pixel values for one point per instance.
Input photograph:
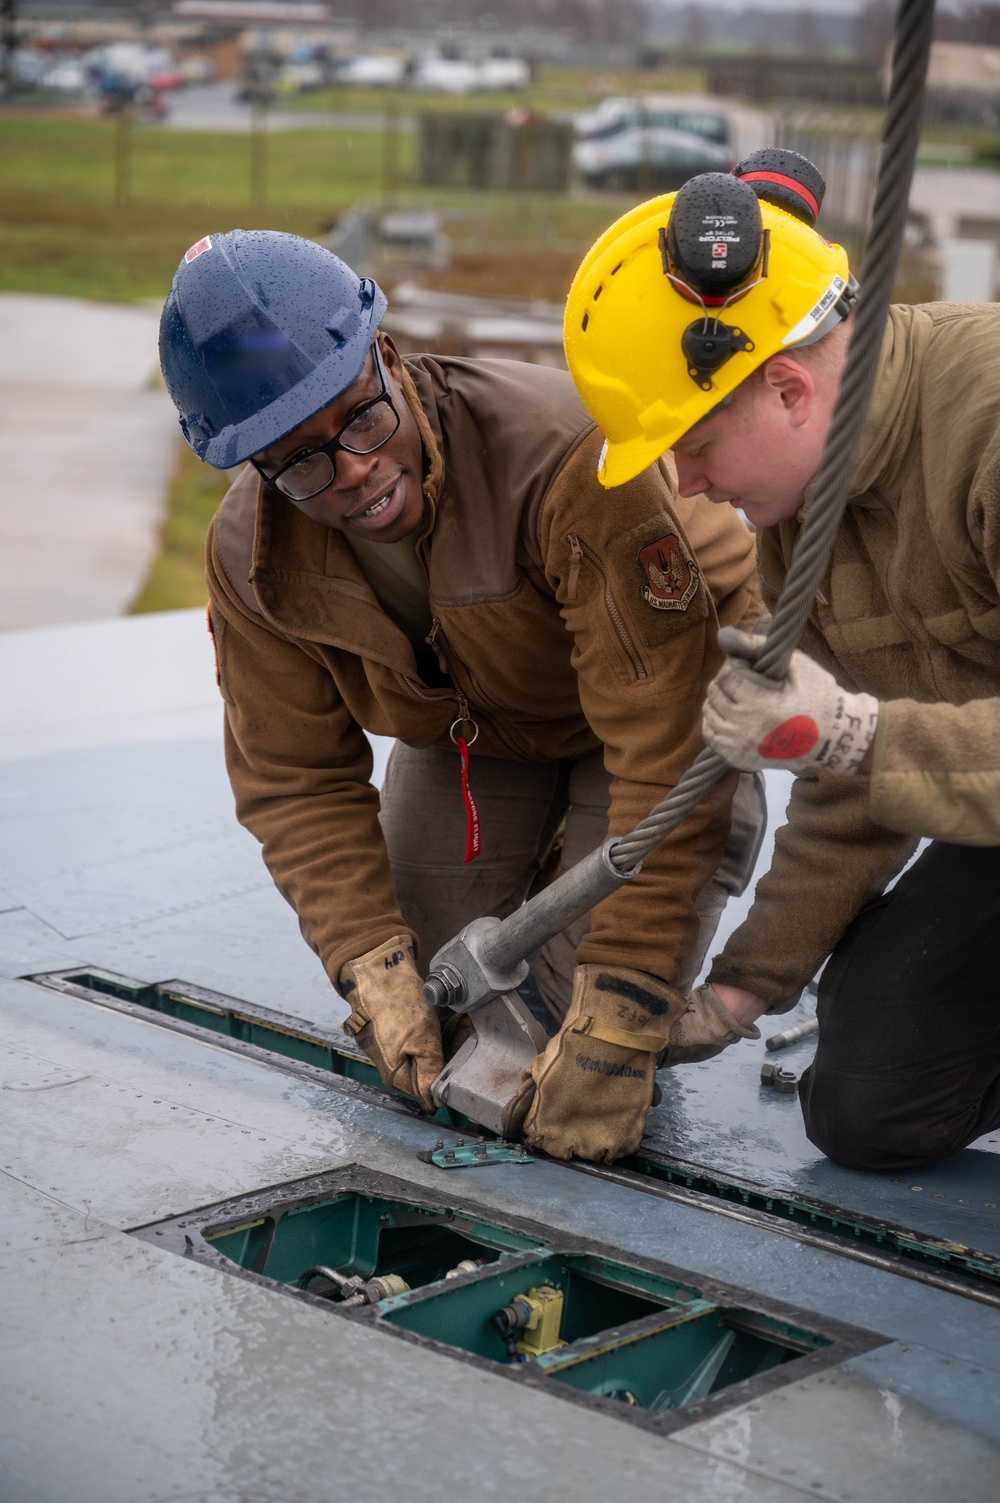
(671, 574)
(657, 573)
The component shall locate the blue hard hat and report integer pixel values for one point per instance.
(260, 331)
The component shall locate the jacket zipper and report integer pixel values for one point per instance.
(464, 713)
(578, 551)
(431, 641)
(575, 560)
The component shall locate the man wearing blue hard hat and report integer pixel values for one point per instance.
(420, 549)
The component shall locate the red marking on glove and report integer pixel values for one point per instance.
(472, 838)
(792, 738)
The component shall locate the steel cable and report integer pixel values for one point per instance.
(583, 885)
(811, 557)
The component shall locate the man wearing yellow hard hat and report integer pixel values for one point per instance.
(715, 322)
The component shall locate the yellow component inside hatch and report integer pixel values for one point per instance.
(541, 1330)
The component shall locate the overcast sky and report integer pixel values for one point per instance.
(841, 7)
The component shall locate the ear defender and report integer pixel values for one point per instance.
(714, 237)
(785, 179)
(714, 249)
(793, 183)
(681, 300)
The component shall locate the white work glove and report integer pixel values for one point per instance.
(808, 721)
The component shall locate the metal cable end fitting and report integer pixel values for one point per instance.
(444, 987)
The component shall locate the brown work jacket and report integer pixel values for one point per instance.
(568, 617)
(910, 612)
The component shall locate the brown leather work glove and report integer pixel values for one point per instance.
(395, 1027)
(586, 1096)
(705, 1029)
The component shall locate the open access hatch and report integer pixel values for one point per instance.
(329, 1056)
(653, 1345)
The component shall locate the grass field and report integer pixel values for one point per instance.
(177, 576)
(62, 232)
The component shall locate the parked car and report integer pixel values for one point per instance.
(373, 71)
(30, 67)
(445, 75)
(649, 143)
(504, 73)
(305, 68)
(67, 77)
(197, 68)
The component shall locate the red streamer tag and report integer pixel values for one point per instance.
(473, 844)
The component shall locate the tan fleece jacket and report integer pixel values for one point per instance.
(910, 612)
(567, 618)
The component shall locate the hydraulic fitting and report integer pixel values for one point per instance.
(354, 1290)
(467, 1265)
(538, 1315)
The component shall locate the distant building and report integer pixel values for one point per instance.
(963, 84)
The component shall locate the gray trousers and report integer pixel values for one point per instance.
(521, 808)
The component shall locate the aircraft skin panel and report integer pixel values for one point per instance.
(30, 1220)
(132, 857)
(875, 1443)
(29, 944)
(163, 1124)
(152, 1378)
(131, 1373)
(284, 1386)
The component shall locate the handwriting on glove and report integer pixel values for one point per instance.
(390, 1020)
(587, 1094)
(756, 722)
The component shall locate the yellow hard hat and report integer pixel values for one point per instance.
(685, 296)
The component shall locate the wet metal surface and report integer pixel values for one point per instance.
(878, 1443)
(158, 1124)
(718, 1115)
(263, 1398)
(130, 1374)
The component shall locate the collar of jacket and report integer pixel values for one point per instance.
(886, 440)
(289, 549)
(434, 479)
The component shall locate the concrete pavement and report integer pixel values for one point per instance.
(87, 443)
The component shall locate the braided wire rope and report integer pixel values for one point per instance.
(811, 557)
(579, 888)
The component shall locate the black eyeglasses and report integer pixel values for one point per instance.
(368, 429)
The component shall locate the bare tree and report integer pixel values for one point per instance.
(875, 25)
(807, 34)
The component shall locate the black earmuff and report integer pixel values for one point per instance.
(786, 179)
(714, 246)
(714, 237)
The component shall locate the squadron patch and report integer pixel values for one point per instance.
(670, 577)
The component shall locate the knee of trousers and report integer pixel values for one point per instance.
(863, 1124)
